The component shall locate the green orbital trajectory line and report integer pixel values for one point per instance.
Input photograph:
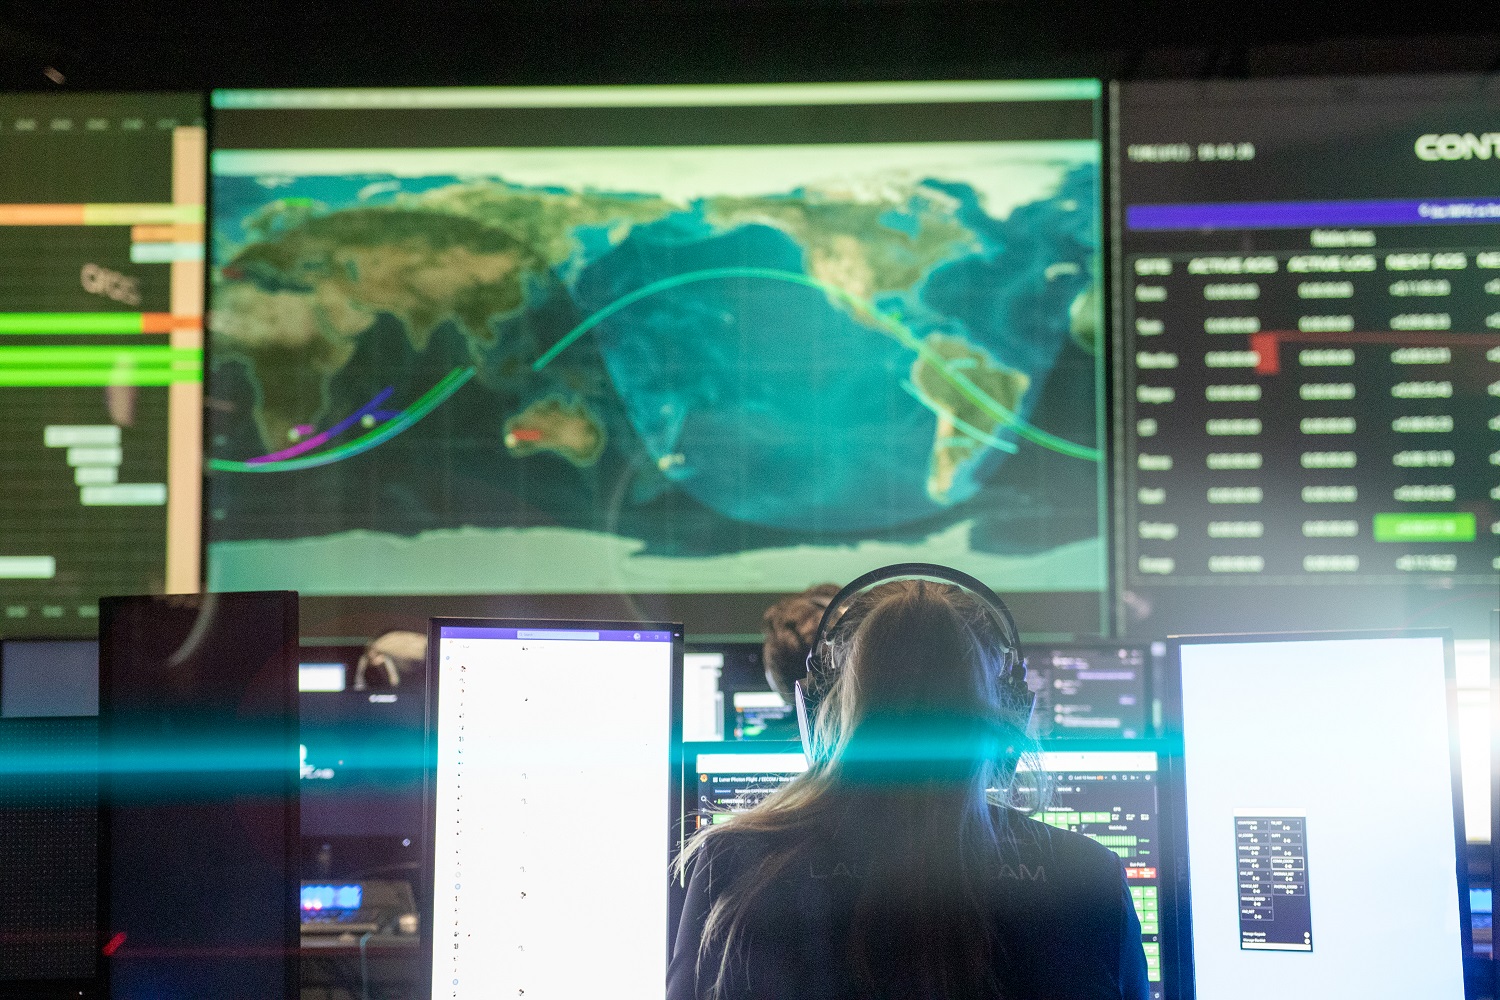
(887, 325)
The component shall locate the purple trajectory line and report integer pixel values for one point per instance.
(310, 443)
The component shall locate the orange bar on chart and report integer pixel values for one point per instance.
(41, 215)
(186, 232)
(167, 323)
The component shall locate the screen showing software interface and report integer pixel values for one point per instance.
(529, 749)
(1089, 691)
(1310, 329)
(1108, 796)
(1291, 749)
(726, 697)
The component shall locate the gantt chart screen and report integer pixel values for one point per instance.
(552, 805)
(101, 353)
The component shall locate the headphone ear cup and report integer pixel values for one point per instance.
(1020, 700)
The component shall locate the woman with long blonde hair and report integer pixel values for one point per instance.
(898, 865)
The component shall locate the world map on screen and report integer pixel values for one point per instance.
(656, 370)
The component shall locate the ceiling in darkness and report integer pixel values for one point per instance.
(155, 45)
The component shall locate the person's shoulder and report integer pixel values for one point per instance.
(727, 851)
(1080, 857)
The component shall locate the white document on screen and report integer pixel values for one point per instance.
(553, 765)
(1320, 819)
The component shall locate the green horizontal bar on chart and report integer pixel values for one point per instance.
(81, 324)
(16, 378)
(108, 356)
(103, 214)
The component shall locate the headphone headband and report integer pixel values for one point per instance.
(845, 598)
(819, 664)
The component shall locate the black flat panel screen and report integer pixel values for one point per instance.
(361, 763)
(1308, 393)
(199, 726)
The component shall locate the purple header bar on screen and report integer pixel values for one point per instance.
(1303, 214)
(572, 634)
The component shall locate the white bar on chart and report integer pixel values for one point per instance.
(27, 567)
(75, 435)
(96, 475)
(164, 253)
(95, 456)
(124, 495)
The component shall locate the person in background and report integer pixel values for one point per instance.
(790, 625)
(901, 863)
(393, 658)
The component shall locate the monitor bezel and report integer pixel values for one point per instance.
(425, 880)
(1184, 977)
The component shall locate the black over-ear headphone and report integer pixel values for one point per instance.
(821, 666)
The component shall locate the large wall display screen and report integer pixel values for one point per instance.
(101, 288)
(1309, 393)
(655, 340)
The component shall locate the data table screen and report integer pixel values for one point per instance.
(1308, 385)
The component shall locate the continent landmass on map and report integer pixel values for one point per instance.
(965, 426)
(563, 427)
(292, 303)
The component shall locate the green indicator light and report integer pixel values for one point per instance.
(1457, 526)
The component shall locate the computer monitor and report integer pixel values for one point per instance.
(726, 696)
(1321, 828)
(198, 718)
(49, 678)
(1090, 691)
(361, 763)
(1108, 795)
(552, 796)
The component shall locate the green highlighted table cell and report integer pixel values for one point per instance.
(1457, 526)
